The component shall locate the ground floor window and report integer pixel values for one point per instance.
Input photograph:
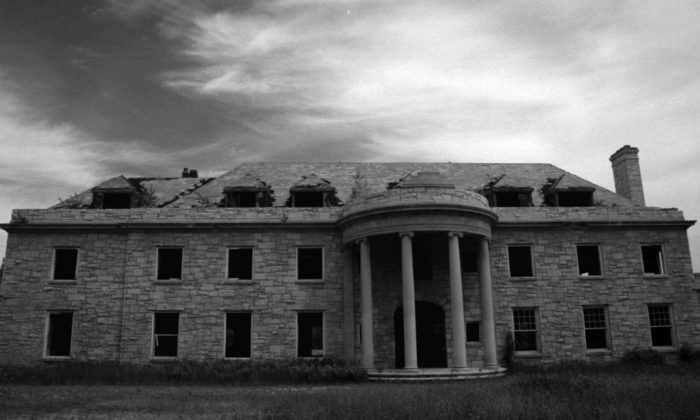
(166, 327)
(661, 325)
(310, 334)
(596, 327)
(238, 334)
(59, 333)
(525, 329)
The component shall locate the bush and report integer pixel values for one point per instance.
(688, 355)
(643, 357)
(323, 370)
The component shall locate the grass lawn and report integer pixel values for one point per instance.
(644, 394)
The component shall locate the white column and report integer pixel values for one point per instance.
(366, 319)
(410, 347)
(348, 303)
(487, 321)
(459, 347)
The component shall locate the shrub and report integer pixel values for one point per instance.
(687, 354)
(643, 357)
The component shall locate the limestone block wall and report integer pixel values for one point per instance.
(558, 293)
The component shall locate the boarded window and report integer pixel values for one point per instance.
(422, 263)
(473, 332)
(166, 326)
(525, 329)
(240, 263)
(520, 261)
(310, 339)
(238, 334)
(596, 327)
(661, 325)
(588, 260)
(653, 259)
(169, 263)
(58, 337)
(310, 263)
(65, 263)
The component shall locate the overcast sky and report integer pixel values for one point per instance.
(93, 89)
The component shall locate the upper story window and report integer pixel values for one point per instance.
(65, 264)
(653, 260)
(566, 192)
(248, 191)
(310, 263)
(116, 193)
(520, 261)
(312, 191)
(169, 264)
(588, 260)
(510, 197)
(240, 263)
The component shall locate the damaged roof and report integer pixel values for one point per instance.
(364, 178)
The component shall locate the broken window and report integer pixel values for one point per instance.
(310, 263)
(248, 191)
(653, 259)
(574, 198)
(116, 200)
(312, 191)
(511, 198)
(166, 327)
(238, 334)
(310, 339)
(240, 263)
(473, 332)
(661, 325)
(422, 263)
(169, 264)
(596, 327)
(525, 329)
(58, 336)
(308, 199)
(588, 260)
(520, 260)
(65, 263)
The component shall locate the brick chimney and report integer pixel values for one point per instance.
(628, 177)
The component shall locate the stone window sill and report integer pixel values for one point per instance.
(655, 276)
(527, 354)
(234, 359)
(321, 281)
(165, 359)
(167, 282)
(56, 358)
(597, 278)
(239, 281)
(665, 349)
(598, 352)
(63, 282)
(522, 279)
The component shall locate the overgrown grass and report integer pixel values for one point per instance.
(643, 393)
(277, 371)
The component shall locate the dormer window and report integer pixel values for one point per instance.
(116, 200)
(510, 197)
(571, 197)
(248, 191)
(312, 191)
(116, 193)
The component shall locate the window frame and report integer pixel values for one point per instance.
(323, 265)
(608, 341)
(532, 262)
(52, 277)
(662, 260)
(600, 262)
(153, 335)
(250, 338)
(228, 261)
(538, 344)
(671, 325)
(182, 264)
(47, 334)
(323, 334)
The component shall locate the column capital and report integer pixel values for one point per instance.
(409, 234)
(453, 234)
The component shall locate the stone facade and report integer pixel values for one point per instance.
(115, 292)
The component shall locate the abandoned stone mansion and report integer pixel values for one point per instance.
(400, 266)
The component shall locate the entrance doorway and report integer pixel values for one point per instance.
(430, 336)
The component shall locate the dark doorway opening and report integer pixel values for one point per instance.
(430, 336)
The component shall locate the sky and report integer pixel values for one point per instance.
(91, 89)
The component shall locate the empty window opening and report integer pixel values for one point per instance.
(310, 263)
(661, 325)
(240, 263)
(308, 199)
(511, 199)
(310, 340)
(473, 332)
(520, 261)
(243, 199)
(166, 326)
(423, 263)
(169, 263)
(65, 263)
(238, 334)
(525, 329)
(653, 259)
(574, 198)
(469, 259)
(596, 328)
(116, 200)
(588, 260)
(58, 337)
